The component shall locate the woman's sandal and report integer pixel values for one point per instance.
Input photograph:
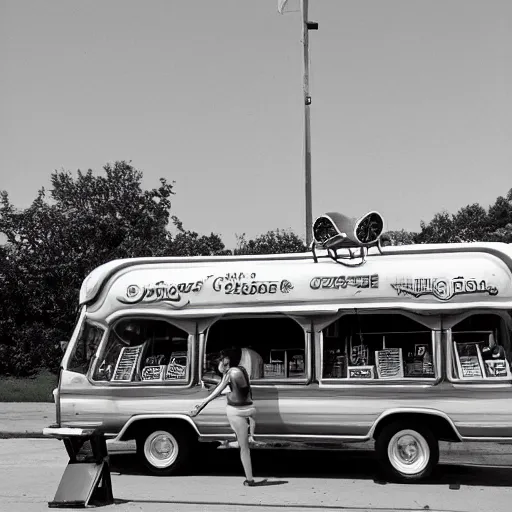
(253, 483)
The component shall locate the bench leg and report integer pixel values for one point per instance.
(85, 481)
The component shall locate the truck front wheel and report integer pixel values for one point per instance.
(165, 450)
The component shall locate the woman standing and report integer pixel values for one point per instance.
(240, 409)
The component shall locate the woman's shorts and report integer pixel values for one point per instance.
(242, 411)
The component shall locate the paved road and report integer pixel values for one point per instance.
(30, 471)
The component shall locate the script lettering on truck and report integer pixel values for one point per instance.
(342, 282)
(175, 295)
(233, 284)
(443, 289)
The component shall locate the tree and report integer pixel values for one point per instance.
(272, 242)
(54, 243)
(84, 223)
(500, 219)
(401, 237)
(441, 229)
(503, 234)
(190, 243)
(471, 224)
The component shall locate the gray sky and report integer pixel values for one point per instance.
(411, 111)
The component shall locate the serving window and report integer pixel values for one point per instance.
(481, 348)
(271, 348)
(377, 347)
(145, 351)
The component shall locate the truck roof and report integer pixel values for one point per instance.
(417, 277)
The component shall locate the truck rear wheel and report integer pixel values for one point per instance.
(407, 452)
(165, 450)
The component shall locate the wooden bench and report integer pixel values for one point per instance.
(86, 480)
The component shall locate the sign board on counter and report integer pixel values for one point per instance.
(469, 360)
(389, 363)
(361, 372)
(127, 363)
(156, 372)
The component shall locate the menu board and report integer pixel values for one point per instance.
(177, 367)
(469, 360)
(361, 372)
(497, 368)
(127, 363)
(156, 372)
(389, 363)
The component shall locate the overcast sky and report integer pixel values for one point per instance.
(411, 110)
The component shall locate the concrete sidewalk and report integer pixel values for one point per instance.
(27, 420)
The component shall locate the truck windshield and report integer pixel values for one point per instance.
(85, 347)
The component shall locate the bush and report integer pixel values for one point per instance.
(37, 388)
(33, 348)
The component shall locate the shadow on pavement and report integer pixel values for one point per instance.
(266, 483)
(263, 506)
(349, 465)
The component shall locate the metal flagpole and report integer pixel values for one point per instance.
(306, 26)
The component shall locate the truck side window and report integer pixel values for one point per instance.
(272, 348)
(85, 348)
(145, 351)
(377, 347)
(482, 348)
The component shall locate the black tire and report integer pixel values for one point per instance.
(165, 450)
(393, 461)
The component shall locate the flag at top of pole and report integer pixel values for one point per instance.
(284, 6)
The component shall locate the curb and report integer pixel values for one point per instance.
(22, 435)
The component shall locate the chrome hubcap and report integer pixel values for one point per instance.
(408, 452)
(161, 449)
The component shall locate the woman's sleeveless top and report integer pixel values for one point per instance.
(240, 387)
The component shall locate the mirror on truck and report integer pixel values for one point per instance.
(63, 345)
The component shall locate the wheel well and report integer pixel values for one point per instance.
(439, 426)
(144, 425)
